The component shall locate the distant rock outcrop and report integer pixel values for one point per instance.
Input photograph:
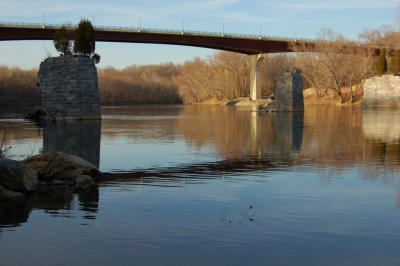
(383, 91)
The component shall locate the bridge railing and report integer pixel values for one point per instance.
(157, 30)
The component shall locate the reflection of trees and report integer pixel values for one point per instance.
(236, 133)
(141, 122)
(327, 138)
(332, 136)
(339, 138)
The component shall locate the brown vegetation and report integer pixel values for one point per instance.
(334, 63)
(18, 87)
(152, 84)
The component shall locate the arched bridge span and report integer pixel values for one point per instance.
(253, 46)
(245, 44)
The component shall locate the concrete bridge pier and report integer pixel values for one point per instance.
(254, 61)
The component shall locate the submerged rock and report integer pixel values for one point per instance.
(57, 168)
(17, 176)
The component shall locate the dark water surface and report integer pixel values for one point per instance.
(210, 185)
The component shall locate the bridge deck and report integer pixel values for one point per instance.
(246, 44)
(240, 43)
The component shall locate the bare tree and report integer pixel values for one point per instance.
(231, 73)
(333, 63)
(271, 69)
(194, 81)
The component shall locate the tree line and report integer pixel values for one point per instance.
(333, 63)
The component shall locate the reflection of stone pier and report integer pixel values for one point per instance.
(280, 133)
(288, 132)
(81, 138)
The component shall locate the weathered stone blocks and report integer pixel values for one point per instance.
(382, 91)
(289, 93)
(69, 88)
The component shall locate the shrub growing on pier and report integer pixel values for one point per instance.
(84, 38)
(62, 41)
(96, 58)
(381, 64)
(395, 65)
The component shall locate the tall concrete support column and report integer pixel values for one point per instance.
(255, 82)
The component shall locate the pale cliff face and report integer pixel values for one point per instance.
(382, 91)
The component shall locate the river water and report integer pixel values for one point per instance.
(211, 185)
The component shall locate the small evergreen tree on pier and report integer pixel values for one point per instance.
(62, 41)
(395, 65)
(84, 38)
(381, 64)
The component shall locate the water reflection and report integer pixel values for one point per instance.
(81, 138)
(209, 184)
(56, 203)
(382, 125)
(239, 134)
(382, 132)
(235, 142)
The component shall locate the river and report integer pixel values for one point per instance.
(213, 185)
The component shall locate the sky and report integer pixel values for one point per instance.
(285, 18)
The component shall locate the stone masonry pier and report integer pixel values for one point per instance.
(69, 88)
(289, 94)
(383, 91)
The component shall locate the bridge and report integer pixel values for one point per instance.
(252, 45)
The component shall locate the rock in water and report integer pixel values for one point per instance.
(17, 176)
(57, 167)
(9, 196)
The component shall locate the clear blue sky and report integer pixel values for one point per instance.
(286, 18)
